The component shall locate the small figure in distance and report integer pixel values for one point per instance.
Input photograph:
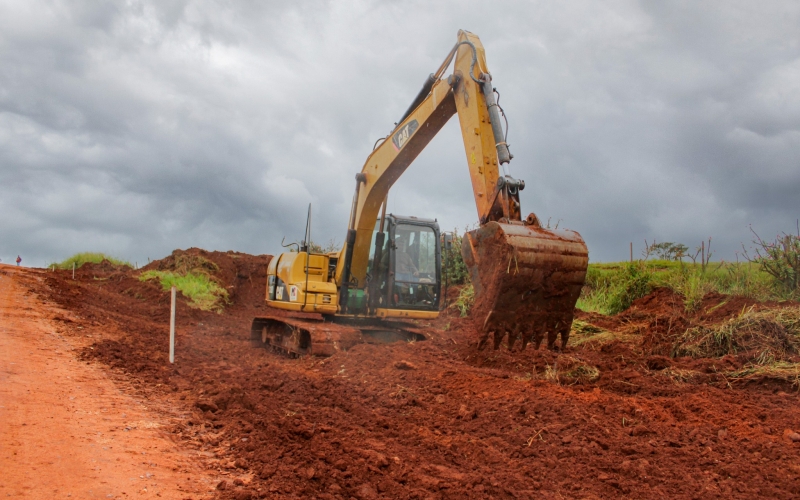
(19, 259)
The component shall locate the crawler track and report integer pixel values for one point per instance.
(303, 336)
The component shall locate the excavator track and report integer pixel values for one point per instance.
(304, 337)
(527, 281)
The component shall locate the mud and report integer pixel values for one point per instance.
(441, 418)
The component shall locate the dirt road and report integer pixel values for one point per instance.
(67, 430)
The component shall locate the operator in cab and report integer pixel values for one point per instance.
(404, 263)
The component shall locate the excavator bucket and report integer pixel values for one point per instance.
(527, 280)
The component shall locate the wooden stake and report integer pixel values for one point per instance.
(172, 329)
(703, 255)
(73, 270)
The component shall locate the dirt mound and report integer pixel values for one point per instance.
(105, 266)
(439, 418)
(244, 276)
(662, 318)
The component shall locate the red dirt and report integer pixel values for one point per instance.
(67, 429)
(439, 418)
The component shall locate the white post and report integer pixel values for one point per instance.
(172, 329)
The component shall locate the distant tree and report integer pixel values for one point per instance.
(667, 250)
(329, 247)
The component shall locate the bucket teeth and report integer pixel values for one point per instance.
(552, 335)
(538, 335)
(484, 338)
(525, 338)
(565, 335)
(498, 337)
(513, 335)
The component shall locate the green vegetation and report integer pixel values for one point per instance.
(611, 287)
(192, 275)
(82, 258)
(781, 260)
(204, 293)
(466, 297)
(453, 266)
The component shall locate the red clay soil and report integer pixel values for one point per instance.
(66, 429)
(436, 418)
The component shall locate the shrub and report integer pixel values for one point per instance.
(453, 265)
(466, 297)
(781, 260)
(633, 282)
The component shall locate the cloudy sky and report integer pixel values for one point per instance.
(136, 127)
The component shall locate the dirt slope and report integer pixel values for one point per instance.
(439, 419)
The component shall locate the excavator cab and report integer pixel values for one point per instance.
(404, 271)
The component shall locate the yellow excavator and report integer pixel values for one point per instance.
(527, 278)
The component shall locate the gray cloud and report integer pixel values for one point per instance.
(141, 127)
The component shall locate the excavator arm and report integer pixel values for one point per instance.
(511, 260)
(439, 100)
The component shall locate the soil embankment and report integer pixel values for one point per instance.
(611, 416)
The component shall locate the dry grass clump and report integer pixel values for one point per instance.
(679, 375)
(767, 336)
(570, 371)
(779, 370)
(184, 263)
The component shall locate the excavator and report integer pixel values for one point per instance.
(527, 278)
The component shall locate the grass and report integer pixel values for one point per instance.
(766, 336)
(769, 339)
(193, 276)
(82, 258)
(586, 333)
(204, 293)
(779, 370)
(568, 370)
(466, 297)
(611, 287)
